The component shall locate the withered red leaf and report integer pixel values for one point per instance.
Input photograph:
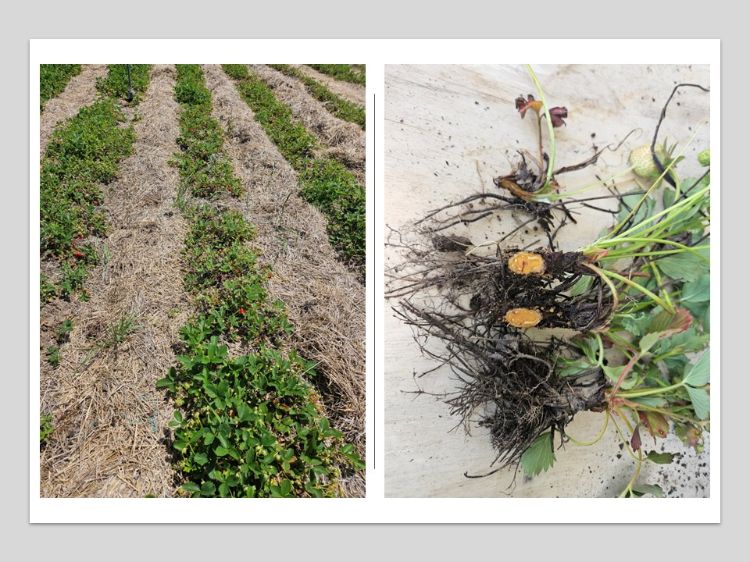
(524, 104)
(669, 324)
(656, 424)
(557, 114)
(635, 441)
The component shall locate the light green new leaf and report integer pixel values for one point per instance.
(613, 374)
(581, 286)
(668, 197)
(699, 374)
(648, 341)
(700, 400)
(590, 348)
(631, 325)
(630, 200)
(689, 341)
(574, 368)
(540, 456)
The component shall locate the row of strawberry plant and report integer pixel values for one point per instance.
(83, 154)
(53, 78)
(205, 169)
(117, 84)
(247, 425)
(346, 72)
(323, 182)
(341, 108)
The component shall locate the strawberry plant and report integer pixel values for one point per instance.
(119, 84)
(46, 428)
(53, 78)
(252, 428)
(47, 290)
(53, 355)
(232, 300)
(62, 332)
(205, 169)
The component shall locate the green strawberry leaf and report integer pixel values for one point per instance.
(653, 489)
(701, 403)
(686, 266)
(699, 374)
(540, 456)
(660, 458)
(648, 341)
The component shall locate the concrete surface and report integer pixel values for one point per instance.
(451, 129)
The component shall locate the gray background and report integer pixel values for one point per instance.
(435, 19)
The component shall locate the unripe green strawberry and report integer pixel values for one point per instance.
(704, 157)
(643, 163)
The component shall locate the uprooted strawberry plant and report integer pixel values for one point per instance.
(634, 304)
(247, 424)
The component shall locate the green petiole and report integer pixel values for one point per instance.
(550, 128)
(640, 288)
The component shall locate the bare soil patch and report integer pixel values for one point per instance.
(324, 301)
(109, 418)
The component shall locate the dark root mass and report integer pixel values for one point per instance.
(480, 290)
(507, 382)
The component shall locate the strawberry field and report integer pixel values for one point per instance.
(202, 307)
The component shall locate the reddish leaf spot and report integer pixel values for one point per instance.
(656, 424)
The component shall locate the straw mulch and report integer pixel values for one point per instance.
(110, 420)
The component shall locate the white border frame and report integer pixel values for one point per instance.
(376, 508)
